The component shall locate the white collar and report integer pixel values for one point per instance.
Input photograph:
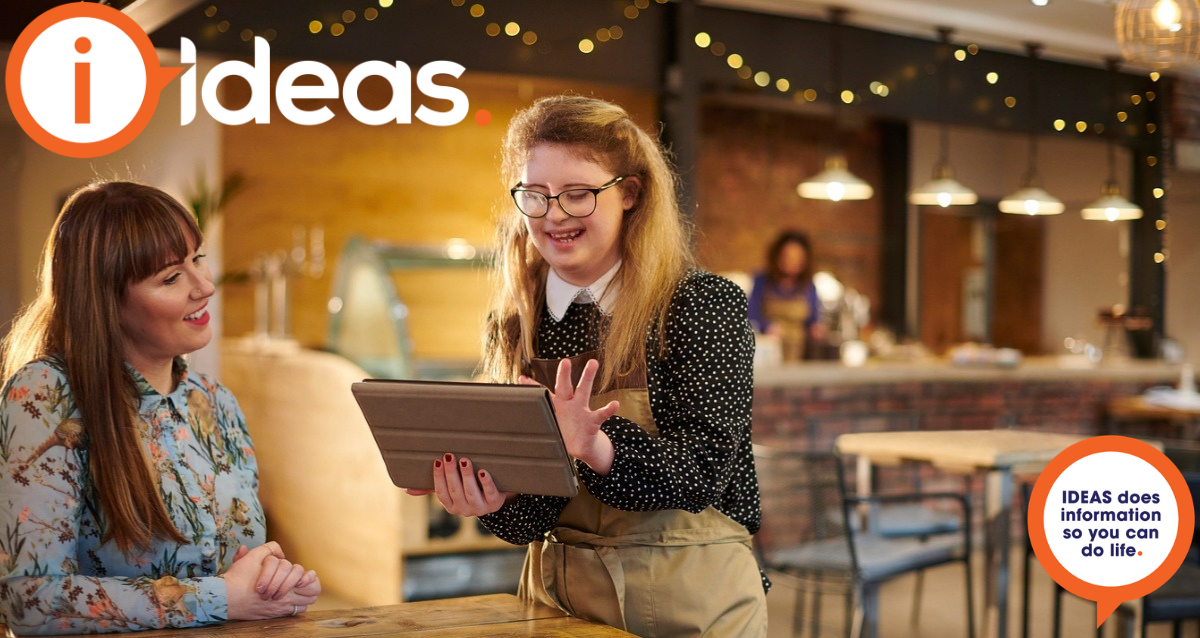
(560, 294)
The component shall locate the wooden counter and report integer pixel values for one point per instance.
(498, 615)
(826, 373)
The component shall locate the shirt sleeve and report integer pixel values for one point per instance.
(758, 319)
(43, 587)
(814, 306)
(526, 519)
(700, 397)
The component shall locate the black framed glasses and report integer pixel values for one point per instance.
(576, 202)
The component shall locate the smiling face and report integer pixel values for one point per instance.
(166, 314)
(579, 249)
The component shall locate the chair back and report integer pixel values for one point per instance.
(803, 513)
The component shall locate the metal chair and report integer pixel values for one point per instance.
(807, 540)
(913, 520)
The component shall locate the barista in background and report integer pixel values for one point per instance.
(783, 302)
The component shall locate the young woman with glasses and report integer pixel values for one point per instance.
(128, 483)
(648, 359)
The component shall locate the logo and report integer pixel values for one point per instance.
(83, 80)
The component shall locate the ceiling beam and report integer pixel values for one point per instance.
(152, 14)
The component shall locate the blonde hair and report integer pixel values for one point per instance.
(108, 236)
(655, 241)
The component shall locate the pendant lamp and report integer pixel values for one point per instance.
(943, 190)
(836, 182)
(1112, 206)
(1160, 34)
(1031, 199)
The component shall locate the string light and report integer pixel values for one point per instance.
(1059, 125)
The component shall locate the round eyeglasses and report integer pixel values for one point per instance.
(576, 202)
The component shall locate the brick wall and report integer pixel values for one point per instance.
(812, 417)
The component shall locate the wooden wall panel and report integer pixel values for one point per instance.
(412, 184)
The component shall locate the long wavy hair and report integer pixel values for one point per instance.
(108, 236)
(655, 240)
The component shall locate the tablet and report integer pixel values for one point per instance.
(508, 430)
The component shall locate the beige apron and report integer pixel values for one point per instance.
(791, 315)
(653, 574)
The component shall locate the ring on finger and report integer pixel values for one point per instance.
(295, 609)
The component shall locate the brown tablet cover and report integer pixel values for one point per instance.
(508, 430)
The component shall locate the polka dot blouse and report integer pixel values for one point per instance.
(700, 396)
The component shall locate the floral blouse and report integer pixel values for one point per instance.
(56, 576)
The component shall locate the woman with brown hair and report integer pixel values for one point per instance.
(128, 484)
(597, 290)
(783, 301)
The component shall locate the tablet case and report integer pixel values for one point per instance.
(508, 430)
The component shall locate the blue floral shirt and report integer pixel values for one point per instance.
(56, 576)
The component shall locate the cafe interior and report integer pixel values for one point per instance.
(1001, 198)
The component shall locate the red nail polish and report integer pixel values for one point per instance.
(448, 457)
(482, 474)
(437, 463)
(463, 462)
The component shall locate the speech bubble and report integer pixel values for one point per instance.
(1118, 465)
(72, 74)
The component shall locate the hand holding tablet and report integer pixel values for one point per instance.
(508, 432)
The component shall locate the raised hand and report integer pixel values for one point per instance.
(579, 424)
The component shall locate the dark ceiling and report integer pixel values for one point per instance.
(419, 31)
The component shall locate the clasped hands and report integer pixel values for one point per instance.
(261, 583)
(466, 492)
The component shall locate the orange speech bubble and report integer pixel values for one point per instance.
(157, 78)
(1108, 598)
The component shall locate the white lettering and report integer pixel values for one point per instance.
(187, 82)
(259, 77)
(286, 92)
(258, 109)
(457, 98)
(399, 109)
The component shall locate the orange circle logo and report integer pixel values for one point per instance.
(1111, 520)
(83, 80)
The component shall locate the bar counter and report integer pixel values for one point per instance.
(826, 373)
(808, 405)
(478, 616)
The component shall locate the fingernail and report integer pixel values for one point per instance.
(482, 474)
(437, 463)
(448, 457)
(463, 462)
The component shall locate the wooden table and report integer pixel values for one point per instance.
(481, 616)
(999, 453)
(1133, 409)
